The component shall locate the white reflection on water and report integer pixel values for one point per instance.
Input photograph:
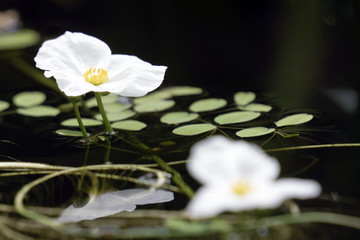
(113, 202)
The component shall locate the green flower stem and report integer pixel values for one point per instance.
(176, 176)
(78, 117)
(103, 114)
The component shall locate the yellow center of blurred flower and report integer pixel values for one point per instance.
(96, 76)
(241, 188)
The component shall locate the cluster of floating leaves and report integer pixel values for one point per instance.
(30, 104)
(122, 113)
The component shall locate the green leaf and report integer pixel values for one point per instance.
(72, 122)
(256, 107)
(183, 90)
(108, 99)
(69, 133)
(117, 116)
(154, 96)
(154, 106)
(294, 119)
(178, 117)
(208, 104)
(116, 107)
(194, 129)
(131, 125)
(39, 111)
(254, 132)
(244, 98)
(236, 117)
(3, 105)
(21, 39)
(28, 99)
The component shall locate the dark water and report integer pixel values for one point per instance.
(290, 53)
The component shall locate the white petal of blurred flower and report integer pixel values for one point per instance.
(113, 202)
(81, 63)
(237, 175)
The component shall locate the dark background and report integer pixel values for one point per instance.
(290, 49)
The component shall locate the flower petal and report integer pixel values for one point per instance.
(71, 52)
(132, 77)
(220, 159)
(208, 201)
(296, 188)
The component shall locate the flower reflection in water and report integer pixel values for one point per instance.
(113, 202)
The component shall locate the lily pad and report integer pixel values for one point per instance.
(130, 125)
(256, 107)
(178, 117)
(3, 105)
(69, 133)
(108, 99)
(18, 40)
(244, 98)
(29, 99)
(39, 111)
(254, 132)
(194, 129)
(295, 119)
(208, 104)
(236, 117)
(183, 90)
(72, 122)
(116, 107)
(154, 106)
(117, 116)
(157, 95)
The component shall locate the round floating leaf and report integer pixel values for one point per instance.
(236, 117)
(244, 98)
(4, 105)
(18, 40)
(108, 99)
(178, 117)
(131, 125)
(183, 90)
(69, 133)
(208, 104)
(117, 116)
(28, 99)
(157, 95)
(72, 122)
(256, 107)
(38, 111)
(154, 106)
(194, 129)
(116, 107)
(254, 132)
(294, 119)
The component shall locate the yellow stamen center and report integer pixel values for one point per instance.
(96, 76)
(241, 188)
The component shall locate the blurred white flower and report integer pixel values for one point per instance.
(236, 176)
(81, 63)
(113, 202)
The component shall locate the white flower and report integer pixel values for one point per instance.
(81, 63)
(236, 176)
(113, 202)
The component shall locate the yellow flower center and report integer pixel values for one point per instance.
(96, 76)
(241, 188)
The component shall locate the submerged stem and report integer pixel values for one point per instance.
(103, 113)
(176, 176)
(314, 147)
(78, 117)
